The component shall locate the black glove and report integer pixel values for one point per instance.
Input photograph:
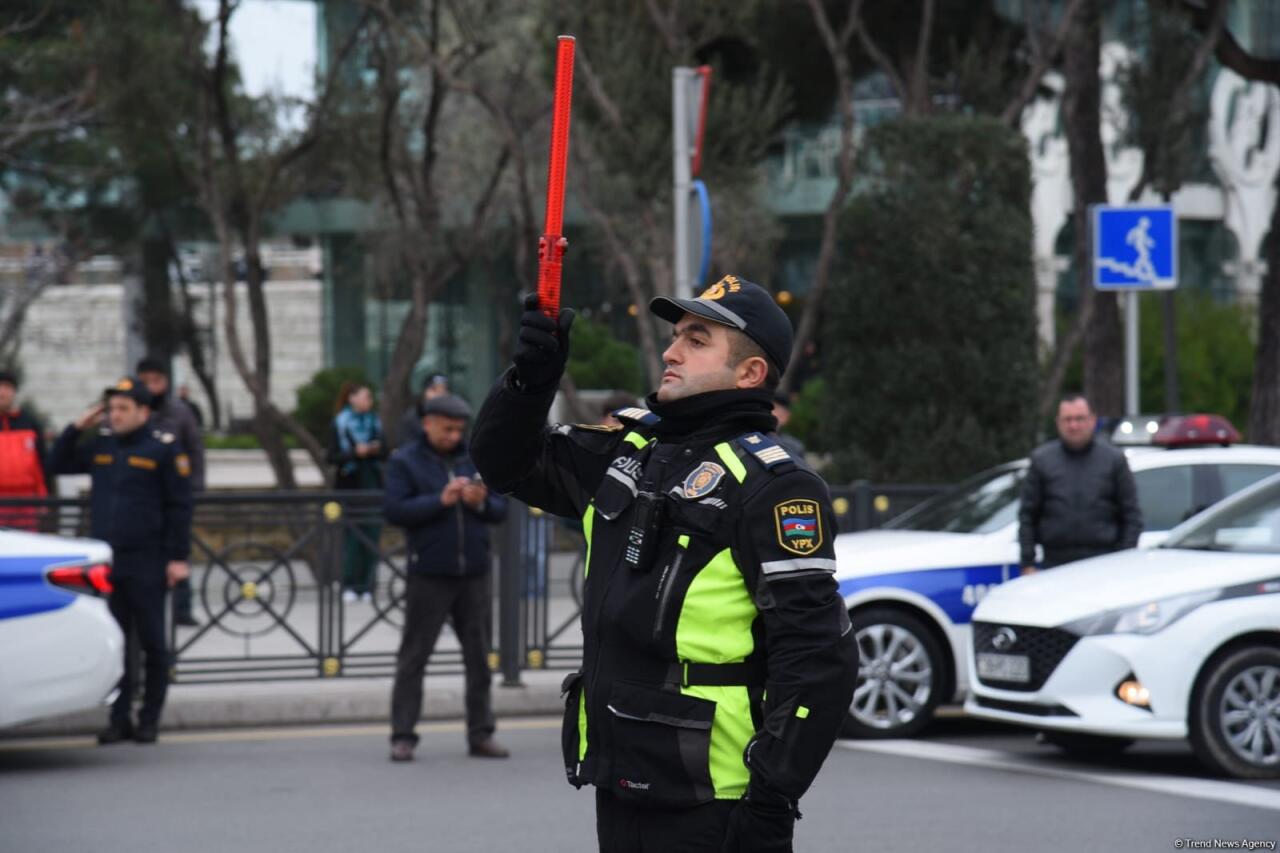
(542, 349)
(760, 824)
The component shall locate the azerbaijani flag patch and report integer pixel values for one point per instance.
(799, 526)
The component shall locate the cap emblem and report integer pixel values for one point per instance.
(728, 284)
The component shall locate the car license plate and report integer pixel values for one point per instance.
(1004, 667)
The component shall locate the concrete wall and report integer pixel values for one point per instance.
(73, 345)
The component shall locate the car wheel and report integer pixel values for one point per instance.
(1235, 714)
(900, 673)
(1085, 746)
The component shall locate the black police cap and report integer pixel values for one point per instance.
(738, 304)
(131, 387)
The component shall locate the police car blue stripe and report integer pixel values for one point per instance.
(944, 587)
(23, 589)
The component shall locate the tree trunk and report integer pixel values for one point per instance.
(1081, 108)
(1264, 410)
(159, 331)
(396, 394)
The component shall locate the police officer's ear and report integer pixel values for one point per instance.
(751, 372)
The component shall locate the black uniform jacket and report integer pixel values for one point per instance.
(774, 524)
(141, 499)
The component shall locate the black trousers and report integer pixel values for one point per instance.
(429, 600)
(622, 827)
(182, 599)
(138, 605)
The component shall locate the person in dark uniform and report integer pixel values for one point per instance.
(718, 657)
(141, 506)
(170, 413)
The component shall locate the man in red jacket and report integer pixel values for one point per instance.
(22, 457)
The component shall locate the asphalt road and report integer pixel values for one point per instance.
(964, 787)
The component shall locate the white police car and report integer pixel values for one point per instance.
(912, 585)
(1180, 641)
(60, 649)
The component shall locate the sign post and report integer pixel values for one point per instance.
(689, 90)
(1134, 249)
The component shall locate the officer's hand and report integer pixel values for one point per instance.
(362, 449)
(543, 346)
(91, 418)
(756, 827)
(1029, 570)
(177, 570)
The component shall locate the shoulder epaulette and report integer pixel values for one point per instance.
(637, 415)
(767, 452)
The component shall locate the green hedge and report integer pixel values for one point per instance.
(929, 341)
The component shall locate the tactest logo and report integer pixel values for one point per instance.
(633, 786)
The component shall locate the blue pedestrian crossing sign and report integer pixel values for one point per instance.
(1135, 248)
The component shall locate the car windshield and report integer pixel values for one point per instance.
(1251, 527)
(983, 504)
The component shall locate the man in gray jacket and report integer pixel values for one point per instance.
(1079, 499)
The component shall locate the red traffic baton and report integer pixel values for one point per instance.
(552, 245)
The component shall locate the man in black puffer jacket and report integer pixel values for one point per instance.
(1079, 499)
(434, 492)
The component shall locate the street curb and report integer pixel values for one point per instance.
(212, 706)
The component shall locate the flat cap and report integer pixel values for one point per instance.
(448, 405)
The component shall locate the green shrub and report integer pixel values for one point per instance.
(597, 359)
(1215, 356)
(930, 327)
(807, 409)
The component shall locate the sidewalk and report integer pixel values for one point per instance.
(343, 700)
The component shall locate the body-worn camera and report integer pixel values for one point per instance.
(642, 538)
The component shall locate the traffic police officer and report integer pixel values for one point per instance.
(718, 659)
(141, 506)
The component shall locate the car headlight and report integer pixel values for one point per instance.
(1145, 618)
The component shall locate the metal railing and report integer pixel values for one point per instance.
(267, 582)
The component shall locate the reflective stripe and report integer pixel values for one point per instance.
(715, 627)
(731, 730)
(635, 438)
(731, 461)
(582, 725)
(799, 564)
(588, 521)
(622, 478)
(802, 712)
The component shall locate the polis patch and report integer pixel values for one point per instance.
(799, 526)
(702, 480)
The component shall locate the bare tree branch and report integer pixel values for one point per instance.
(838, 51)
(1043, 59)
(919, 83)
(1228, 51)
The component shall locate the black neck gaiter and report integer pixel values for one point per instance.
(715, 412)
